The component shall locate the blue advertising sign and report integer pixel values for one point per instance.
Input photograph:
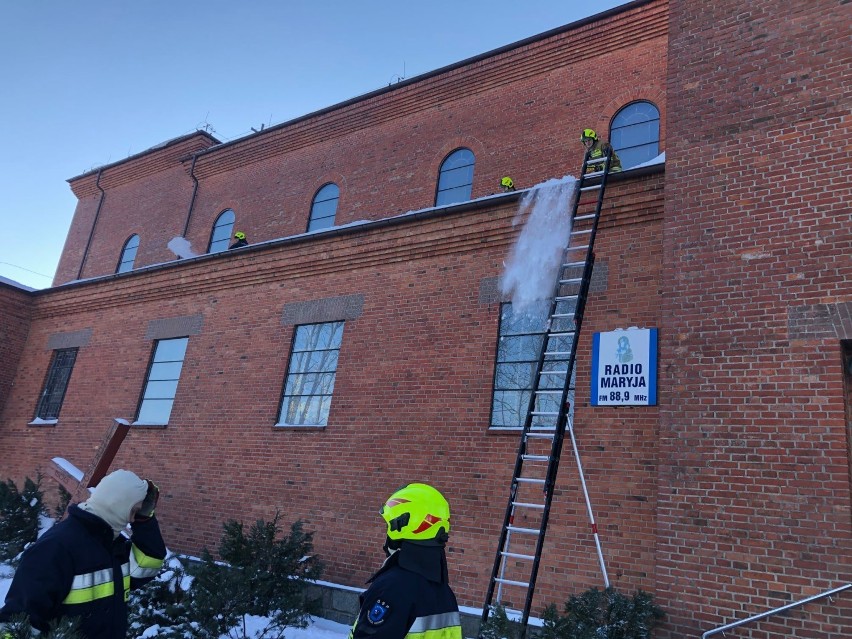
(624, 367)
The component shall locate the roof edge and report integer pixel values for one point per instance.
(435, 72)
(156, 147)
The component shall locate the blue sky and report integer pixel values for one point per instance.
(90, 82)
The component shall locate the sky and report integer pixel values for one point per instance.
(92, 82)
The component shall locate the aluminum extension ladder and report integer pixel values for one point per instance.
(549, 412)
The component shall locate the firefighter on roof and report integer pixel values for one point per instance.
(598, 148)
(241, 240)
(410, 595)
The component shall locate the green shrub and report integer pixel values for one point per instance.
(265, 577)
(603, 614)
(498, 625)
(20, 628)
(162, 602)
(62, 504)
(259, 575)
(19, 516)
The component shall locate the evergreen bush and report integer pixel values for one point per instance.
(603, 614)
(498, 625)
(20, 628)
(62, 504)
(163, 603)
(19, 516)
(260, 575)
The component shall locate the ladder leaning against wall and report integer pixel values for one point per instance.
(549, 412)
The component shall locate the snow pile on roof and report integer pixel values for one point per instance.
(660, 159)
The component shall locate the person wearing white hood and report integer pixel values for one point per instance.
(85, 565)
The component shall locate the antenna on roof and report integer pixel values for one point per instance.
(206, 126)
(396, 78)
(262, 125)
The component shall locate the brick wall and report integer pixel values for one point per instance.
(15, 310)
(148, 194)
(411, 400)
(520, 111)
(754, 500)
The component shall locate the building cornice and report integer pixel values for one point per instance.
(637, 197)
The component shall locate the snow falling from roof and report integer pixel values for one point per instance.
(532, 268)
(181, 247)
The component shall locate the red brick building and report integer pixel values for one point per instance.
(729, 497)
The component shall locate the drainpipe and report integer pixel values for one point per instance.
(194, 191)
(92, 232)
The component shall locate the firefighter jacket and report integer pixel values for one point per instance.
(599, 149)
(78, 568)
(409, 597)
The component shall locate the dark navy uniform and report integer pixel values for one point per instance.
(409, 597)
(77, 568)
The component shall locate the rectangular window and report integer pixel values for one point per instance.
(518, 350)
(161, 384)
(310, 375)
(56, 383)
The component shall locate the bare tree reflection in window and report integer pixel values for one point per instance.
(311, 374)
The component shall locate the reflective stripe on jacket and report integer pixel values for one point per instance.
(402, 604)
(598, 152)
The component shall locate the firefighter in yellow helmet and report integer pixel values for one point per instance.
(409, 596)
(598, 148)
(241, 240)
(507, 184)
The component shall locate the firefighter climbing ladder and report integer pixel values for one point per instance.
(549, 413)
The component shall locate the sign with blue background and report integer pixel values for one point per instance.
(624, 367)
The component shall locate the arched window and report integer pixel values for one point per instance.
(128, 254)
(635, 133)
(324, 207)
(456, 177)
(220, 238)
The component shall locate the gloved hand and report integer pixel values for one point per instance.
(146, 510)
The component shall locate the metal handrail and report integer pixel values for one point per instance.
(802, 602)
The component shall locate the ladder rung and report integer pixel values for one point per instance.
(594, 174)
(530, 480)
(587, 216)
(539, 434)
(555, 353)
(509, 582)
(541, 414)
(573, 264)
(565, 298)
(572, 280)
(553, 373)
(598, 160)
(548, 392)
(581, 232)
(526, 505)
(535, 457)
(560, 334)
(591, 188)
(523, 531)
(562, 315)
(577, 248)
(516, 555)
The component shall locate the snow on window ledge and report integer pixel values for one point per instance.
(38, 421)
